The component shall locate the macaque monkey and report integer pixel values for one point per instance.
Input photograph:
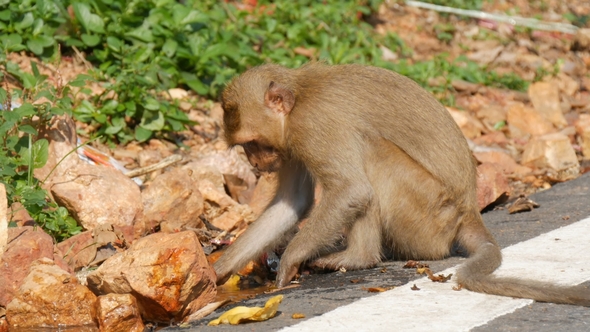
(396, 175)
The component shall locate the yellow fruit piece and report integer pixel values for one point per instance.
(231, 285)
(240, 315)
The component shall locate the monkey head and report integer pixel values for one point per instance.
(254, 116)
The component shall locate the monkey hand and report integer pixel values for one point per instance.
(286, 274)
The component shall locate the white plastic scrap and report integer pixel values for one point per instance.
(514, 20)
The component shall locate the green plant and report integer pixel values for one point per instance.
(21, 152)
(458, 69)
(31, 25)
(444, 32)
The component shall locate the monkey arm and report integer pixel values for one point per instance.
(338, 209)
(293, 199)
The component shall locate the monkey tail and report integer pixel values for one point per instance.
(476, 273)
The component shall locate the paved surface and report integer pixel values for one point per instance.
(564, 204)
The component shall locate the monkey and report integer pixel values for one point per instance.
(396, 175)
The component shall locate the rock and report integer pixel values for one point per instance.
(173, 201)
(553, 152)
(496, 138)
(25, 245)
(524, 120)
(79, 250)
(566, 84)
(118, 312)
(461, 85)
(216, 112)
(61, 134)
(491, 184)
(231, 162)
(177, 93)
(470, 126)
(485, 56)
(491, 115)
(149, 157)
(168, 274)
(502, 160)
(97, 195)
(199, 171)
(3, 219)
(581, 40)
(222, 211)
(51, 297)
(583, 129)
(264, 193)
(3, 323)
(92, 247)
(545, 99)
(387, 54)
(19, 215)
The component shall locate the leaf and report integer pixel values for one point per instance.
(153, 121)
(152, 104)
(5, 15)
(37, 156)
(26, 22)
(143, 33)
(12, 41)
(142, 134)
(114, 43)
(169, 47)
(89, 21)
(143, 54)
(193, 17)
(27, 129)
(24, 110)
(243, 314)
(38, 26)
(34, 46)
(195, 84)
(90, 40)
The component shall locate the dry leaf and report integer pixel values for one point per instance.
(415, 287)
(297, 316)
(437, 278)
(242, 314)
(377, 289)
(411, 264)
(414, 264)
(440, 277)
(522, 204)
(383, 270)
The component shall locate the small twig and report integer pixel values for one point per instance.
(513, 20)
(148, 169)
(228, 11)
(81, 57)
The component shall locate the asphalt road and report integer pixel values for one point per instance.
(562, 205)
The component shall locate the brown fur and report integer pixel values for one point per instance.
(394, 168)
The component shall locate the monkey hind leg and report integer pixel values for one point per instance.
(485, 257)
(363, 246)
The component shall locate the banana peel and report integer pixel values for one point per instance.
(239, 315)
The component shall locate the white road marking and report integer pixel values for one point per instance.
(560, 256)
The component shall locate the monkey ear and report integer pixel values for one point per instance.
(279, 98)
